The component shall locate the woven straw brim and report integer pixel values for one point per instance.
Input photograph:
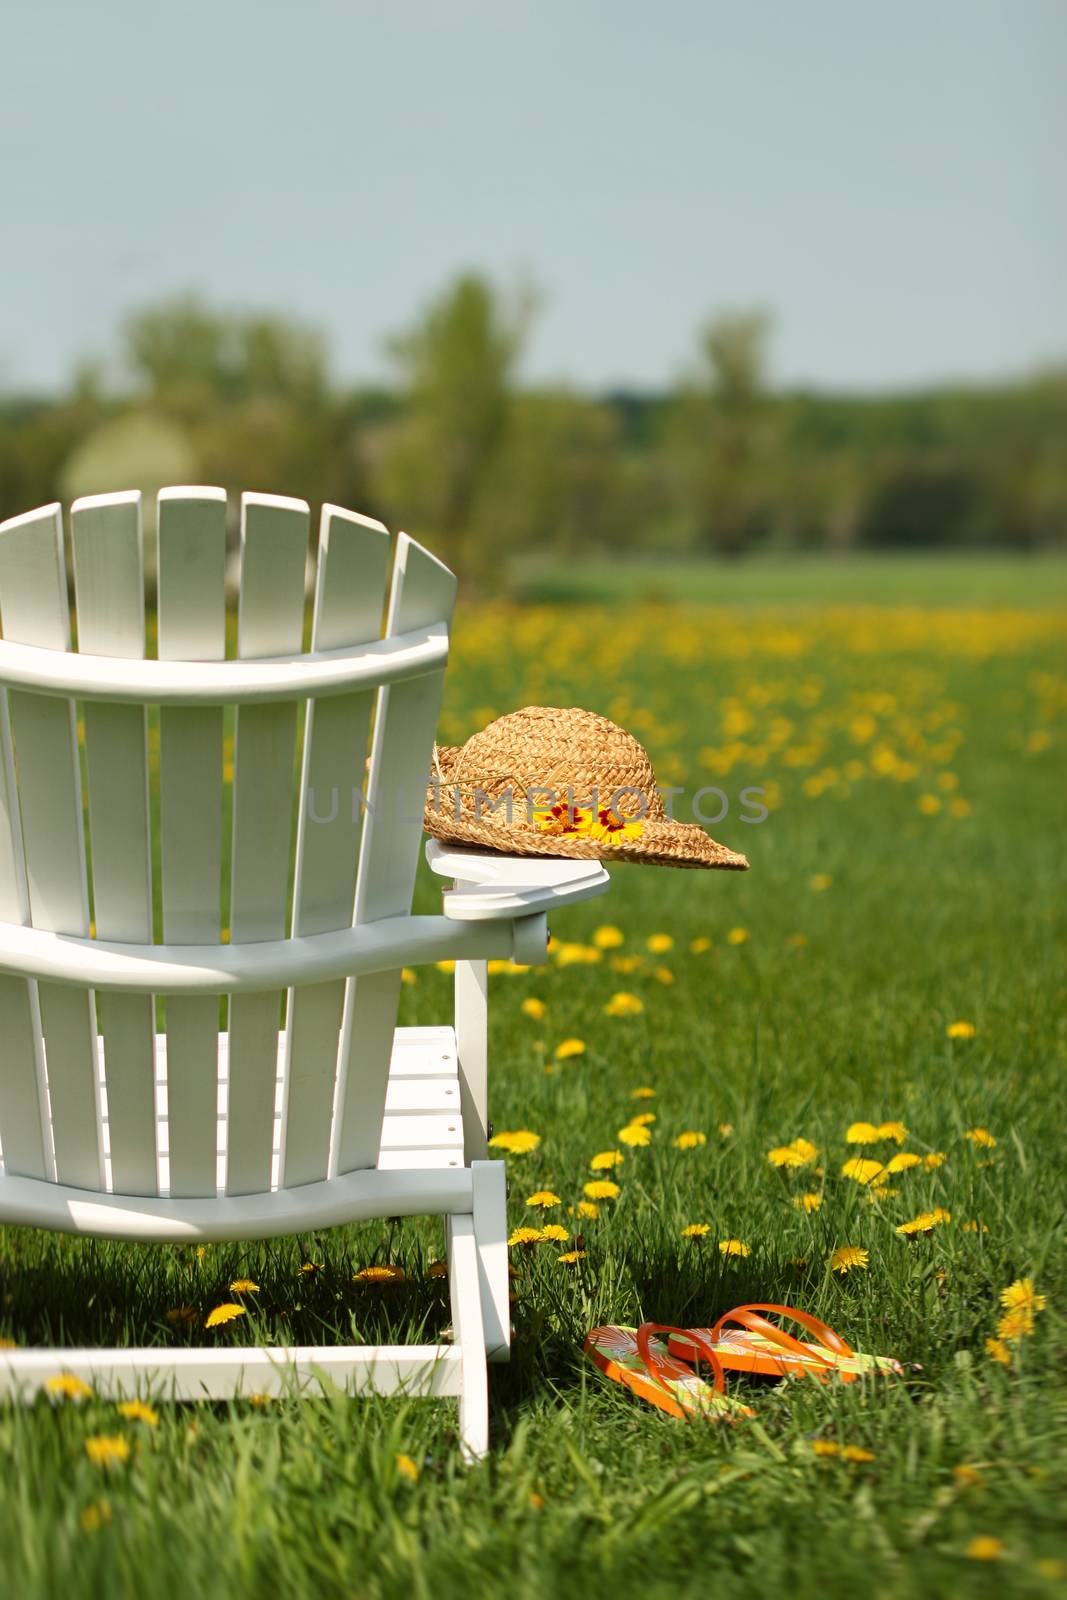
(663, 842)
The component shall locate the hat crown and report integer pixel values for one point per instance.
(578, 756)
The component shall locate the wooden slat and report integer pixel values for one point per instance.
(109, 594)
(34, 610)
(274, 541)
(349, 594)
(423, 591)
(22, 1125)
(192, 626)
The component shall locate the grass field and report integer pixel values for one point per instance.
(909, 877)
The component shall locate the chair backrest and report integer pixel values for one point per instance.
(116, 821)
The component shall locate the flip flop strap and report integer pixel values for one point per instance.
(654, 1364)
(747, 1316)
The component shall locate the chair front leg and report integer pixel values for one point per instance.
(472, 1047)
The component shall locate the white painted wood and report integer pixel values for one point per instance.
(227, 1373)
(23, 1103)
(109, 598)
(491, 1235)
(469, 1334)
(423, 594)
(472, 1039)
(191, 535)
(178, 969)
(274, 542)
(409, 654)
(496, 886)
(349, 596)
(34, 609)
(427, 1191)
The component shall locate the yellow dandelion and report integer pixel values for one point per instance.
(726, 1129)
(601, 1189)
(659, 943)
(892, 1130)
(737, 936)
(244, 1286)
(700, 946)
(608, 937)
(497, 967)
(985, 1548)
(981, 1138)
(862, 1133)
(65, 1386)
(998, 1351)
(552, 1230)
(635, 1134)
(623, 1004)
(825, 1447)
(696, 1230)
(690, 1139)
(587, 1208)
(848, 1257)
(820, 881)
(569, 1257)
(437, 1269)
(607, 1160)
(627, 964)
(138, 1411)
(902, 1161)
(107, 1449)
(856, 1452)
(543, 1198)
(643, 1093)
(935, 1158)
(663, 975)
(407, 1468)
(519, 1143)
(807, 1202)
(311, 1266)
(969, 1476)
(641, 1119)
(534, 1008)
(408, 975)
(94, 1516)
(445, 966)
(798, 1153)
(1021, 1295)
(519, 1236)
(1016, 1324)
(861, 1170)
(961, 1030)
(377, 1275)
(734, 1247)
(929, 804)
(925, 1222)
(974, 1226)
(569, 1048)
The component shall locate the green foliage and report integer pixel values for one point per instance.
(496, 475)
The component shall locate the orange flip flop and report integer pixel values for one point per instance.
(632, 1357)
(754, 1344)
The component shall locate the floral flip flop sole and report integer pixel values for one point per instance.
(745, 1340)
(643, 1364)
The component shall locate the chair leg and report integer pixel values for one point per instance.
(469, 1333)
(472, 1008)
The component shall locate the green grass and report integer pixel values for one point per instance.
(926, 919)
(816, 579)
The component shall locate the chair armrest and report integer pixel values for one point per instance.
(491, 886)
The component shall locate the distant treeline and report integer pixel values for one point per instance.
(483, 468)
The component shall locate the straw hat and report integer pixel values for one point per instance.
(575, 784)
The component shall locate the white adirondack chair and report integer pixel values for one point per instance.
(193, 1134)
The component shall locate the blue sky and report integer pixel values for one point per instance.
(887, 178)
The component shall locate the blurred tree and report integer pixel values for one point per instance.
(457, 366)
(722, 434)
